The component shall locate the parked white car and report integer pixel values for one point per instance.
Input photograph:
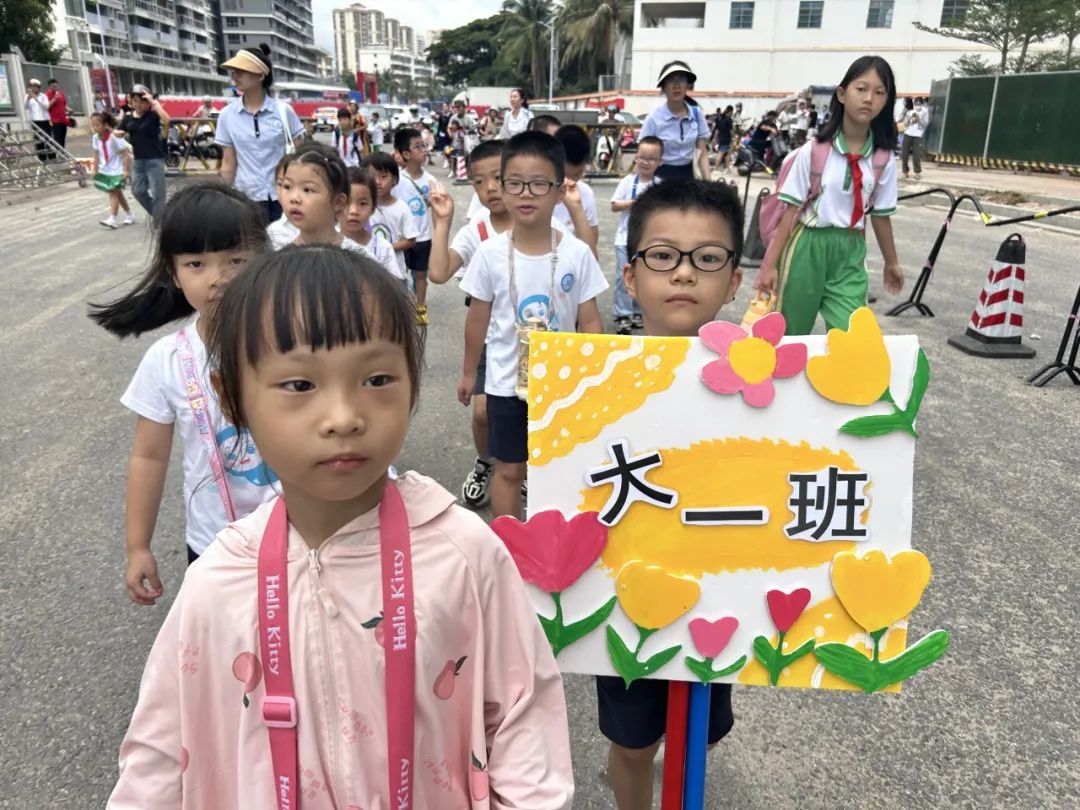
(326, 119)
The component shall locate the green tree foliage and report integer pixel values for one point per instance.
(348, 78)
(523, 38)
(469, 54)
(1008, 26)
(589, 30)
(29, 25)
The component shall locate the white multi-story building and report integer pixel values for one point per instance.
(169, 45)
(368, 41)
(772, 47)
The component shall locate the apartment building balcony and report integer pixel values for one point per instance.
(195, 5)
(158, 11)
(152, 36)
(194, 47)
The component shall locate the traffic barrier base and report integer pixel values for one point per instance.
(997, 324)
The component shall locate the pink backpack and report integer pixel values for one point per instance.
(772, 209)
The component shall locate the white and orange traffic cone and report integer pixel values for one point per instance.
(997, 324)
(461, 171)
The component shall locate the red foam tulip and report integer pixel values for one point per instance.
(785, 608)
(551, 552)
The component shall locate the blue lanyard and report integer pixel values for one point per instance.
(633, 193)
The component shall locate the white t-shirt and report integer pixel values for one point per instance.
(917, 121)
(802, 119)
(628, 189)
(415, 193)
(381, 251)
(577, 279)
(111, 163)
(375, 132)
(511, 126)
(475, 206)
(477, 231)
(37, 107)
(158, 392)
(834, 206)
(394, 223)
(281, 232)
(588, 202)
(348, 146)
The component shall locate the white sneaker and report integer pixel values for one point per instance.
(129, 219)
(109, 222)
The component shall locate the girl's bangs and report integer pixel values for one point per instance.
(314, 297)
(210, 221)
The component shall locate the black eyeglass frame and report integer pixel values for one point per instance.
(685, 254)
(528, 184)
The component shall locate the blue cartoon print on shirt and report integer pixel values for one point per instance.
(539, 306)
(242, 459)
(383, 230)
(567, 282)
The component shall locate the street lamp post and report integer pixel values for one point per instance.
(550, 26)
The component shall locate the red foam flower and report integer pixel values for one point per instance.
(551, 552)
(785, 608)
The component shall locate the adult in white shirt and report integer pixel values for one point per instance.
(917, 119)
(517, 120)
(37, 110)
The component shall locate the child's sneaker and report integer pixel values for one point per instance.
(421, 315)
(637, 322)
(476, 491)
(622, 325)
(129, 219)
(109, 222)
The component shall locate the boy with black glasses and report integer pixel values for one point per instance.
(529, 277)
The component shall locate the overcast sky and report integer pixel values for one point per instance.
(422, 15)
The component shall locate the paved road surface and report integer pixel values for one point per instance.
(993, 725)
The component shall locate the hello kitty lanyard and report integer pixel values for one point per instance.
(279, 704)
(197, 401)
(513, 285)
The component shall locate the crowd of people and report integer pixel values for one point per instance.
(300, 288)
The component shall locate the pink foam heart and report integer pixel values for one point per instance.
(711, 638)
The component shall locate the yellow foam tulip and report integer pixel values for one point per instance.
(877, 591)
(855, 369)
(651, 597)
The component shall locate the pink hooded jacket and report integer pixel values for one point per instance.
(491, 728)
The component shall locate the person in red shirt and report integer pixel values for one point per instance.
(58, 111)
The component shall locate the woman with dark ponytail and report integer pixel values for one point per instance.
(256, 130)
(208, 233)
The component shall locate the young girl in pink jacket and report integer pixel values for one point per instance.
(359, 643)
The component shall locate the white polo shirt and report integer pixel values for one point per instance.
(834, 206)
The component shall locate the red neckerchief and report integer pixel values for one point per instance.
(105, 143)
(856, 186)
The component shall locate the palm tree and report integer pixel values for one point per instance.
(590, 29)
(524, 39)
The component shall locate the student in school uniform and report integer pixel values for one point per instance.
(816, 262)
(347, 142)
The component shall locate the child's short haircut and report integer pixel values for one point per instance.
(343, 113)
(540, 123)
(359, 176)
(105, 118)
(313, 295)
(317, 154)
(485, 150)
(687, 195)
(652, 140)
(536, 144)
(382, 162)
(575, 142)
(403, 138)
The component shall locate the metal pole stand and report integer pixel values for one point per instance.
(914, 300)
(1072, 333)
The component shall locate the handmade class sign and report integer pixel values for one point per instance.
(734, 507)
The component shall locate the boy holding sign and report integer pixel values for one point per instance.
(684, 242)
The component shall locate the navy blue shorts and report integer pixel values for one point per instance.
(637, 717)
(508, 429)
(418, 256)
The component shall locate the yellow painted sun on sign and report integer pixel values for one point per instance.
(579, 384)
